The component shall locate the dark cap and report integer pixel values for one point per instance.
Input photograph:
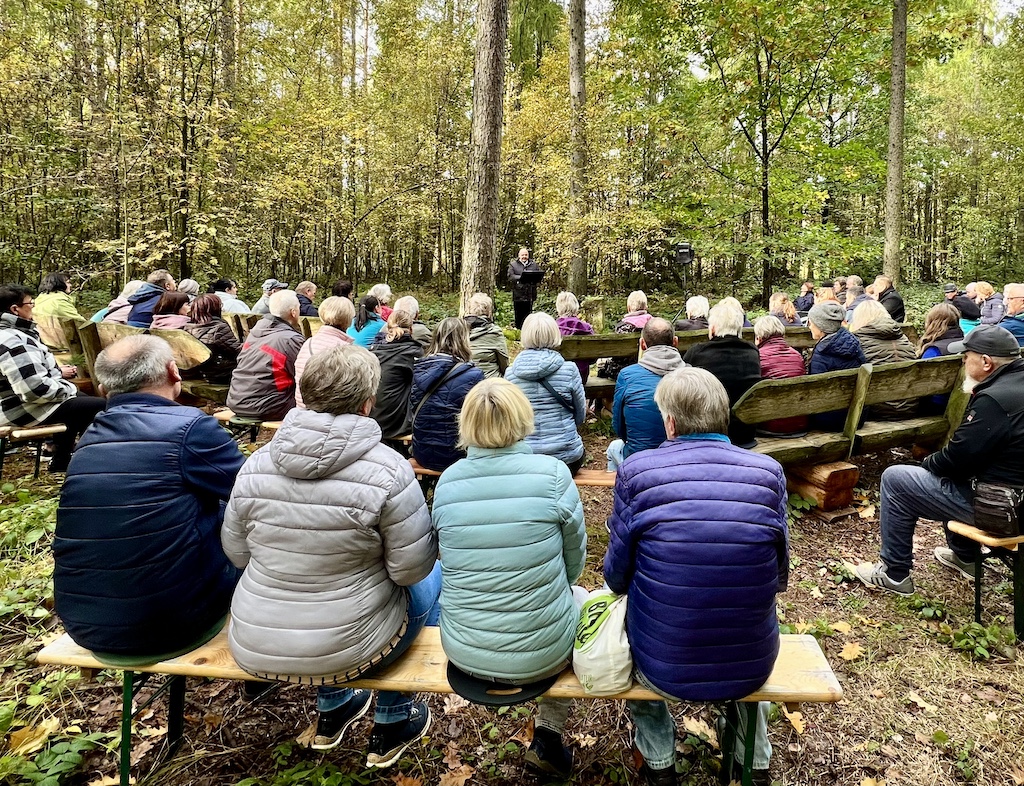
(947, 288)
(495, 694)
(990, 340)
(272, 284)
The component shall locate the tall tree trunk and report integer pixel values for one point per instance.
(578, 175)
(894, 163)
(479, 243)
(767, 279)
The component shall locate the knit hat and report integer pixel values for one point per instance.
(828, 317)
(189, 286)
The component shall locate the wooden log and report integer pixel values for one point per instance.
(825, 499)
(834, 475)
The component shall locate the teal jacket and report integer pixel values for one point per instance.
(512, 541)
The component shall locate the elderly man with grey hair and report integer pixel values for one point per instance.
(698, 543)
(139, 572)
(263, 382)
(735, 362)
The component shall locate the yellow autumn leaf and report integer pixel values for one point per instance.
(866, 512)
(109, 780)
(872, 782)
(851, 651)
(924, 705)
(795, 718)
(456, 777)
(306, 738)
(32, 738)
(842, 627)
(699, 728)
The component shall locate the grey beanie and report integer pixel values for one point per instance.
(827, 316)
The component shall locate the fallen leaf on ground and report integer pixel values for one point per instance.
(306, 738)
(842, 627)
(795, 718)
(878, 693)
(405, 780)
(451, 756)
(140, 749)
(32, 738)
(109, 780)
(456, 777)
(890, 751)
(1018, 775)
(525, 735)
(866, 512)
(153, 731)
(851, 651)
(585, 740)
(924, 705)
(991, 717)
(816, 593)
(454, 703)
(872, 782)
(802, 627)
(699, 728)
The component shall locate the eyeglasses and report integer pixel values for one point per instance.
(29, 303)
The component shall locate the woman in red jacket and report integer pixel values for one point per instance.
(778, 361)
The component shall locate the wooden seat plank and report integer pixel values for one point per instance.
(881, 435)
(819, 447)
(595, 477)
(801, 673)
(36, 432)
(984, 538)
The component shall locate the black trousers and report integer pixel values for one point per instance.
(77, 414)
(522, 309)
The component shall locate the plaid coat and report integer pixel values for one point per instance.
(31, 385)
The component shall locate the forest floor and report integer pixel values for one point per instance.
(916, 710)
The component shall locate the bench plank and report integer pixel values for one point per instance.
(801, 673)
(771, 399)
(914, 378)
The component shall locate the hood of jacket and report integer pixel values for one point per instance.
(537, 364)
(170, 321)
(661, 359)
(637, 319)
(479, 326)
(145, 292)
(311, 445)
(841, 344)
(881, 329)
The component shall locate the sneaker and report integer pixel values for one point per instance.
(663, 777)
(547, 754)
(759, 777)
(331, 726)
(948, 558)
(388, 741)
(874, 575)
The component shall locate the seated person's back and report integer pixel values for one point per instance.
(837, 350)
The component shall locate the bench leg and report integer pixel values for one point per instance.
(3, 454)
(127, 697)
(979, 572)
(732, 722)
(748, 742)
(39, 459)
(175, 714)
(1018, 593)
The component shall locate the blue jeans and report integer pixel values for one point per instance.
(656, 731)
(614, 453)
(910, 493)
(393, 707)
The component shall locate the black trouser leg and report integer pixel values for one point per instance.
(75, 413)
(522, 309)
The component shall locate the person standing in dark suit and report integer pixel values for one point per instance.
(523, 292)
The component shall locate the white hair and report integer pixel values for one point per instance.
(695, 400)
(283, 302)
(566, 305)
(133, 363)
(408, 303)
(768, 326)
(637, 301)
(697, 306)
(382, 292)
(540, 331)
(725, 320)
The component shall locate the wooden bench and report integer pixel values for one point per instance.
(228, 418)
(1007, 549)
(584, 477)
(32, 435)
(310, 325)
(801, 675)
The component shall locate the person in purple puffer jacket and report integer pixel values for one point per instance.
(570, 324)
(778, 361)
(698, 543)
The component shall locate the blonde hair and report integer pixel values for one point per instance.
(637, 301)
(303, 287)
(767, 327)
(566, 305)
(984, 290)
(495, 414)
(480, 305)
(337, 312)
(780, 302)
(399, 323)
(866, 313)
(825, 295)
(731, 301)
(540, 331)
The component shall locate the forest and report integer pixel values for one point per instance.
(331, 138)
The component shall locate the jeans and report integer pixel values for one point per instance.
(909, 493)
(614, 452)
(394, 707)
(656, 731)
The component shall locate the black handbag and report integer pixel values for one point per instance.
(997, 508)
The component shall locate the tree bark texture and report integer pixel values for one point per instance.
(479, 242)
(894, 162)
(578, 174)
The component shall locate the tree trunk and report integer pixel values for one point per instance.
(479, 243)
(894, 163)
(767, 281)
(578, 175)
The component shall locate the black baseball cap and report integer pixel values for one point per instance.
(990, 340)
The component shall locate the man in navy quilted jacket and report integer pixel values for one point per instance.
(698, 542)
(139, 571)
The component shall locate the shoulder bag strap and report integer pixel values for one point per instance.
(558, 396)
(452, 373)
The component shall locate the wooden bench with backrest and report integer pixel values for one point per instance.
(801, 675)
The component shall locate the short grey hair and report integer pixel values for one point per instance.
(480, 305)
(408, 303)
(566, 305)
(540, 331)
(726, 320)
(695, 400)
(339, 381)
(305, 286)
(382, 292)
(133, 363)
(283, 302)
(159, 276)
(768, 326)
(697, 306)
(637, 301)
(337, 312)
(854, 281)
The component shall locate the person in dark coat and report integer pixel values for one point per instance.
(701, 564)
(147, 296)
(805, 301)
(733, 361)
(968, 309)
(778, 361)
(305, 291)
(523, 292)
(890, 298)
(697, 308)
(837, 349)
(138, 567)
(440, 382)
(397, 355)
(208, 326)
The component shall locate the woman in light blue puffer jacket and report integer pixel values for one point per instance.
(557, 412)
(510, 553)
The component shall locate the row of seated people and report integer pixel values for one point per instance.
(331, 562)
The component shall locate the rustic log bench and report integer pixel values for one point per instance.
(1006, 549)
(801, 675)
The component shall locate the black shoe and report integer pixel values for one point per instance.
(331, 726)
(547, 754)
(388, 741)
(663, 777)
(761, 777)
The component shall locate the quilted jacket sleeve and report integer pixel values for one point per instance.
(574, 530)
(410, 541)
